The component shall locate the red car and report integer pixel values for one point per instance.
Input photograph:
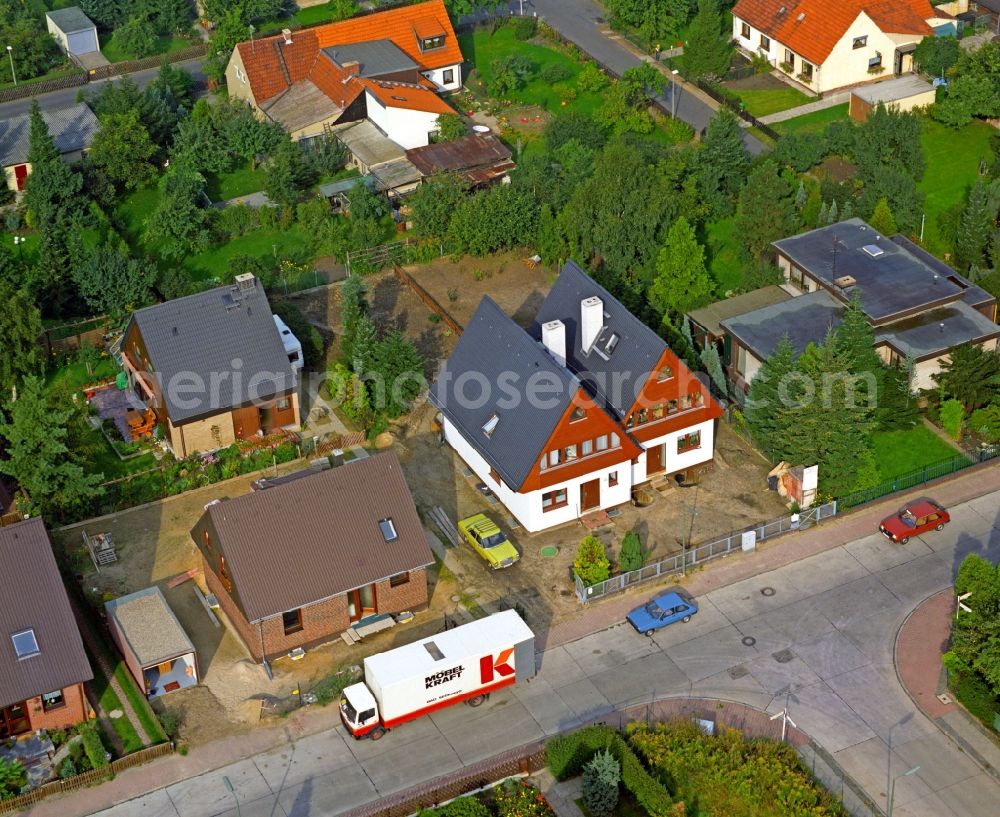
(913, 520)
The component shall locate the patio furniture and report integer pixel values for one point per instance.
(140, 424)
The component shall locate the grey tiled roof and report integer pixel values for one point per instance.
(492, 348)
(317, 537)
(805, 319)
(375, 58)
(34, 598)
(72, 129)
(201, 336)
(70, 19)
(149, 626)
(634, 358)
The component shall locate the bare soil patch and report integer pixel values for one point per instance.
(837, 168)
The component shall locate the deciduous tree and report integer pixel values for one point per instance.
(123, 149)
(286, 174)
(112, 283)
(434, 203)
(179, 224)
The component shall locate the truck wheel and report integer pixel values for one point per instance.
(905, 540)
(686, 619)
(479, 700)
(377, 733)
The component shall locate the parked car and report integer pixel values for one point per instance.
(489, 541)
(916, 518)
(663, 610)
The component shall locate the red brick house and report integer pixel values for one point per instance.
(295, 565)
(43, 666)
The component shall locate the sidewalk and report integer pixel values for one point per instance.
(919, 645)
(809, 107)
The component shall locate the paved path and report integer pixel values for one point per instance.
(809, 107)
(823, 641)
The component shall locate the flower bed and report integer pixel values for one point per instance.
(511, 798)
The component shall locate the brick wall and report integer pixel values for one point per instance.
(74, 711)
(410, 596)
(247, 632)
(127, 655)
(321, 623)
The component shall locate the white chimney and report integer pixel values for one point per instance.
(554, 340)
(287, 34)
(591, 321)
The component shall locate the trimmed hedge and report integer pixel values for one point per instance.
(646, 789)
(469, 806)
(93, 747)
(975, 695)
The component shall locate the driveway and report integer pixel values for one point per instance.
(820, 643)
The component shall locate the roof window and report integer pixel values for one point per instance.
(432, 43)
(490, 425)
(25, 643)
(388, 529)
(801, 17)
(874, 250)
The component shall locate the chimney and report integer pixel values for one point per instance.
(246, 282)
(352, 67)
(591, 321)
(554, 340)
(287, 34)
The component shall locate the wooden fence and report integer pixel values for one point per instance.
(429, 300)
(84, 779)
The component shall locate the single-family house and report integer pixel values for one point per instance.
(987, 11)
(72, 129)
(215, 367)
(387, 67)
(152, 641)
(73, 31)
(826, 45)
(568, 418)
(297, 564)
(919, 308)
(43, 666)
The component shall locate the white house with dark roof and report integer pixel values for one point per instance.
(72, 129)
(567, 419)
(918, 306)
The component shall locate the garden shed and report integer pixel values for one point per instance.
(905, 93)
(155, 647)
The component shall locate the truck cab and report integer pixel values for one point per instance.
(359, 712)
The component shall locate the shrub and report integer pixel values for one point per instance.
(93, 747)
(555, 72)
(168, 720)
(519, 799)
(566, 755)
(591, 79)
(591, 563)
(12, 777)
(525, 28)
(470, 806)
(975, 695)
(57, 736)
(631, 557)
(237, 220)
(952, 415)
(838, 137)
(799, 150)
(600, 784)
(67, 768)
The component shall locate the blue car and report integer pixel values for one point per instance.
(661, 611)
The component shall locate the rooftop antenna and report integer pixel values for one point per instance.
(834, 271)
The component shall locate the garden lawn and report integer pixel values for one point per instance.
(901, 452)
(75, 375)
(102, 459)
(481, 48)
(953, 158)
(764, 101)
(278, 242)
(724, 255)
(814, 122)
(164, 45)
(240, 181)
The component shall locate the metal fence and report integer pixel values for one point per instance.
(920, 476)
(733, 542)
(737, 107)
(828, 772)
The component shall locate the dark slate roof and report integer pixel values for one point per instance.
(201, 335)
(70, 19)
(375, 58)
(72, 129)
(896, 282)
(307, 540)
(491, 349)
(709, 316)
(34, 598)
(633, 359)
(805, 319)
(936, 332)
(149, 626)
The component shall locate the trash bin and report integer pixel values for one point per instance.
(121, 381)
(772, 483)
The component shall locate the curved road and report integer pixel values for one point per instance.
(822, 641)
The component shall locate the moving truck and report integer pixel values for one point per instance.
(464, 664)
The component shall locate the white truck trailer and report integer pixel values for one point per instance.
(463, 664)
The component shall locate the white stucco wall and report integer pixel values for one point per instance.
(674, 461)
(437, 77)
(527, 507)
(408, 129)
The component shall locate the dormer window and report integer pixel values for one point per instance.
(578, 414)
(432, 43)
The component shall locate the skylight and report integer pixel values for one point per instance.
(874, 250)
(490, 425)
(25, 644)
(388, 529)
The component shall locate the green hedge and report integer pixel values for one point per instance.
(470, 806)
(975, 695)
(566, 755)
(93, 747)
(646, 789)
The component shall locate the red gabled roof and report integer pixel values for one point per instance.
(824, 22)
(405, 95)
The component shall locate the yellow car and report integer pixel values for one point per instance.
(489, 541)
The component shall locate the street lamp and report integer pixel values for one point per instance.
(229, 786)
(10, 53)
(18, 241)
(892, 788)
(673, 93)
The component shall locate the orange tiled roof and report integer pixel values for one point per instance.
(411, 97)
(824, 22)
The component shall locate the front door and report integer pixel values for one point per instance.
(14, 720)
(361, 603)
(590, 495)
(20, 174)
(655, 460)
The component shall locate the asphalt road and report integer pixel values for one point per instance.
(824, 638)
(67, 96)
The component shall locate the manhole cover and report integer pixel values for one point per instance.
(115, 714)
(767, 591)
(783, 656)
(549, 551)
(738, 672)
(749, 641)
